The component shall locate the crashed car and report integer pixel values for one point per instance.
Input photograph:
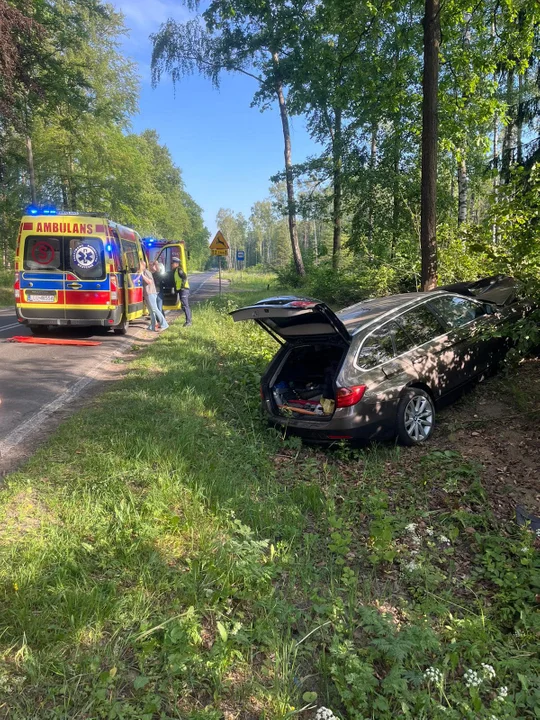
(379, 368)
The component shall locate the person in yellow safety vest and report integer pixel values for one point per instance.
(181, 284)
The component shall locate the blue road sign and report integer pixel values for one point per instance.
(240, 255)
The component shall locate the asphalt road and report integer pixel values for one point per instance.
(41, 384)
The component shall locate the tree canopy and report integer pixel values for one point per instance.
(65, 126)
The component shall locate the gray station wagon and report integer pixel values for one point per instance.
(378, 368)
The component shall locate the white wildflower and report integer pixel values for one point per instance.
(472, 678)
(502, 692)
(429, 531)
(524, 549)
(489, 671)
(411, 528)
(433, 675)
(444, 540)
(325, 714)
(411, 566)
(538, 533)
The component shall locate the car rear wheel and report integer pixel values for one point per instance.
(415, 417)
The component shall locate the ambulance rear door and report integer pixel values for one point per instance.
(86, 278)
(173, 252)
(42, 291)
(133, 286)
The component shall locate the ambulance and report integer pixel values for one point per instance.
(74, 270)
(77, 270)
(167, 252)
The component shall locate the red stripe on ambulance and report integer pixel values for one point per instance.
(87, 297)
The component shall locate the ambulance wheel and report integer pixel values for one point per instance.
(122, 328)
(38, 330)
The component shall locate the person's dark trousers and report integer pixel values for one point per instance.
(184, 299)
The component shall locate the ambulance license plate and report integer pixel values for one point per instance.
(42, 297)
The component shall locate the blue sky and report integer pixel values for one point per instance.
(227, 150)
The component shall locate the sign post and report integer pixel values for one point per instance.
(240, 257)
(220, 247)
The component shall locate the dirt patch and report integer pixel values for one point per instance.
(498, 426)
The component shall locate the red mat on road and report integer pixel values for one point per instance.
(50, 341)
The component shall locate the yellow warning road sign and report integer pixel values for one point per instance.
(219, 246)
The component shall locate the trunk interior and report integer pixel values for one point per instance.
(304, 385)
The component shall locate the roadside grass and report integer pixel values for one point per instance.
(251, 282)
(166, 555)
(6, 288)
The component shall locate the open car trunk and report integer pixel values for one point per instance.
(304, 384)
(315, 344)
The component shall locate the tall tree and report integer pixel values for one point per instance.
(430, 86)
(246, 37)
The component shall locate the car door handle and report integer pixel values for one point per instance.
(74, 285)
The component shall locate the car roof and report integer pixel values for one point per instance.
(358, 316)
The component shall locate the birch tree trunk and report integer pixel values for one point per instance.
(508, 137)
(293, 232)
(372, 161)
(462, 190)
(430, 87)
(337, 151)
(396, 205)
(519, 121)
(31, 171)
(462, 161)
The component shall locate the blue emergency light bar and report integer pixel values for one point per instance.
(45, 210)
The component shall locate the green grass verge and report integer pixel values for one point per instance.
(6, 288)
(251, 282)
(166, 555)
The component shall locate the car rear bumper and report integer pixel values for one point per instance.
(69, 318)
(351, 426)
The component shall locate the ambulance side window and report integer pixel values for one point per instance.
(129, 250)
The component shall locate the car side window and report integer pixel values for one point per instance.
(402, 341)
(420, 324)
(456, 311)
(377, 348)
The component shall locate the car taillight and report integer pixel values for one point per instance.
(17, 287)
(347, 396)
(114, 288)
(302, 303)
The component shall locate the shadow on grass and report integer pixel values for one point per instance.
(154, 500)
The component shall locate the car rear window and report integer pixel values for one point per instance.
(303, 324)
(456, 311)
(84, 257)
(420, 324)
(43, 253)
